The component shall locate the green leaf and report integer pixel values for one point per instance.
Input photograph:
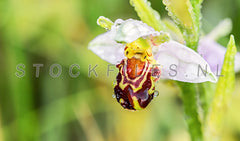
(186, 14)
(147, 14)
(223, 95)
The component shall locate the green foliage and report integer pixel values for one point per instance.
(223, 95)
(147, 14)
(187, 15)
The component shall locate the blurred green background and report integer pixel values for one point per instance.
(78, 109)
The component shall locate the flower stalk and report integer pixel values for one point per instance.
(190, 103)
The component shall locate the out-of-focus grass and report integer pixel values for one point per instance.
(46, 108)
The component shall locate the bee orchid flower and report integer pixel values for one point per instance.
(144, 55)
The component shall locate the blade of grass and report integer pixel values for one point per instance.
(53, 88)
(20, 94)
(73, 100)
(88, 123)
(1, 134)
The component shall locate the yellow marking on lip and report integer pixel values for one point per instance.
(125, 71)
(151, 91)
(140, 44)
(140, 48)
(135, 89)
(136, 104)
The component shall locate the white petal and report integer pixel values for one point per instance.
(130, 30)
(183, 64)
(106, 48)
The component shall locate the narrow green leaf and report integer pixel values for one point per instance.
(223, 95)
(147, 14)
(20, 93)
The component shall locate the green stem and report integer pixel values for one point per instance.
(189, 98)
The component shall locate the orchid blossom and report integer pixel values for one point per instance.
(142, 55)
(213, 52)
